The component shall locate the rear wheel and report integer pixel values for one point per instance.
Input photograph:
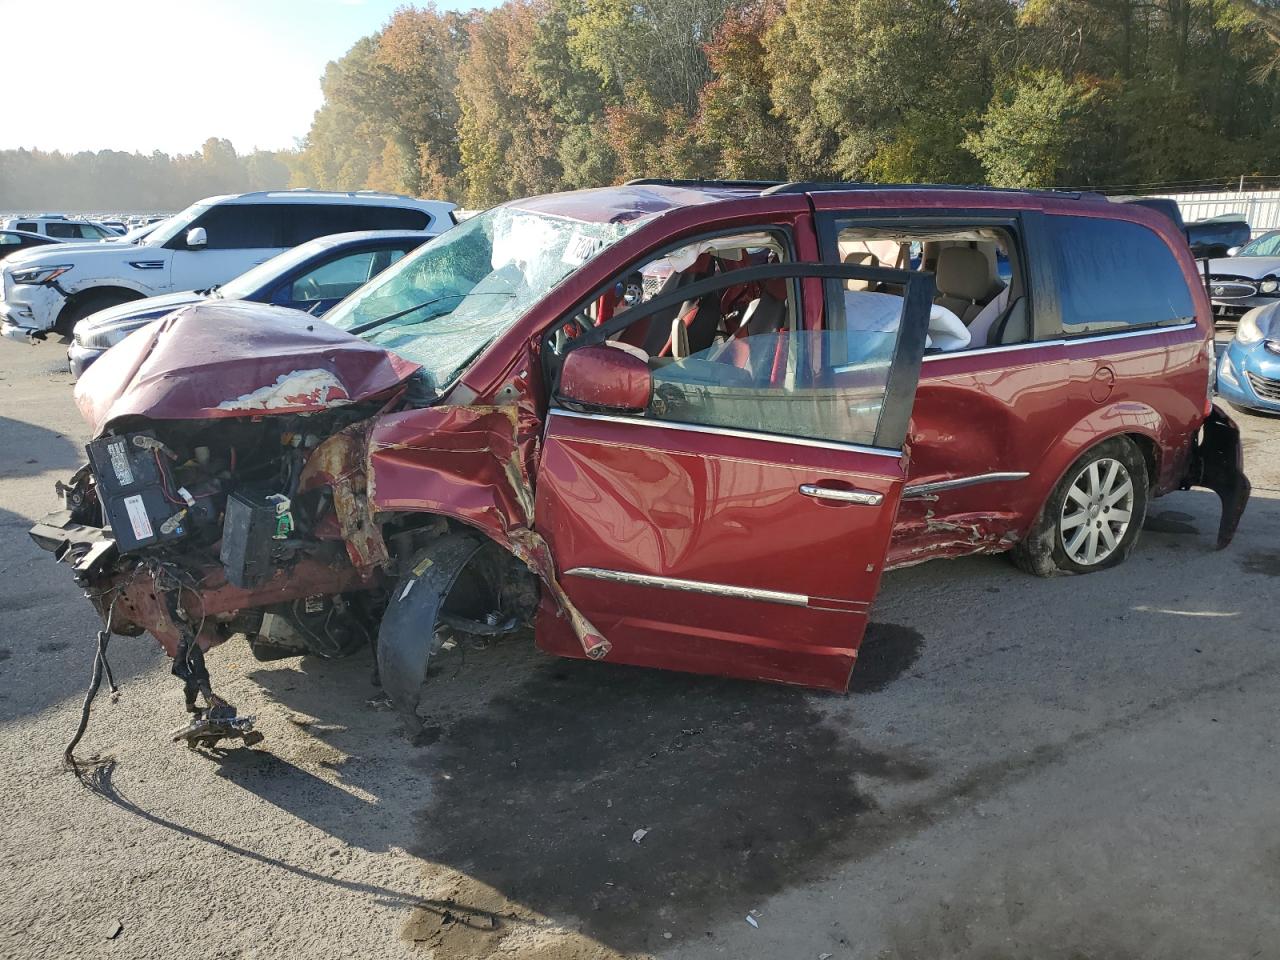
(1093, 516)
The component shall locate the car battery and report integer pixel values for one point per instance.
(132, 474)
(252, 524)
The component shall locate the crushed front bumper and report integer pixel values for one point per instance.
(1217, 464)
(30, 311)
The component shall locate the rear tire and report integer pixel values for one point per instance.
(87, 303)
(1092, 519)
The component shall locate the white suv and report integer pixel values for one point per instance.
(59, 227)
(206, 244)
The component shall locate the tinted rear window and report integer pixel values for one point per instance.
(242, 226)
(1115, 275)
(311, 220)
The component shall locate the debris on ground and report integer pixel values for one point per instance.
(639, 835)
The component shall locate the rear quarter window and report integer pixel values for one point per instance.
(308, 221)
(242, 226)
(1114, 275)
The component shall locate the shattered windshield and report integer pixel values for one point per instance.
(442, 305)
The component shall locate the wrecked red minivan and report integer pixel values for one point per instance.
(673, 424)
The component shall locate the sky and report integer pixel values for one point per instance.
(143, 75)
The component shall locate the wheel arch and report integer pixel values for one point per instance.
(78, 297)
(1143, 425)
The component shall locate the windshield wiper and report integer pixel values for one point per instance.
(382, 321)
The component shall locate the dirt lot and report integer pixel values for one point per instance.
(1075, 768)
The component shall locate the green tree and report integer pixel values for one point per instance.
(1045, 130)
(738, 122)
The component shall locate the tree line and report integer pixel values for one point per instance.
(539, 95)
(114, 181)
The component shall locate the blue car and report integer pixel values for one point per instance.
(312, 276)
(1249, 370)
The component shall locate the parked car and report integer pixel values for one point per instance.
(1249, 278)
(674, 424)
(11, 241)
(1218, 236)
(311, 277)
(1249, 369)
(209, 242)
(1208, 238)
(59, 227)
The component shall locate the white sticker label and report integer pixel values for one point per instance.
(119, 453)
(138, 517)
(580, 249)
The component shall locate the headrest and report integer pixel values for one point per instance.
(965, 272)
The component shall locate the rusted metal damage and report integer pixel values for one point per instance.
(967, 535)
(340, 464)
(207, 605)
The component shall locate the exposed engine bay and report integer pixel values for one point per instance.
(195, 531)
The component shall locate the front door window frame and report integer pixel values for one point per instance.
(904, 371)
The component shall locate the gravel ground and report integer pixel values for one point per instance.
(1076, 768)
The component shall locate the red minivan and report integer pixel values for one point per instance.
(675, 424)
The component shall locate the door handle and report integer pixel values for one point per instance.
(864, 497)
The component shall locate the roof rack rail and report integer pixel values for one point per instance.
(699, 182)
(821, 186)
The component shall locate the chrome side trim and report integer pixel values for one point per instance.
(863, 497)
(728, 432)
(690, 586)
(1003, 348)
(1060, 342)
(1128, 334)
(926, 489)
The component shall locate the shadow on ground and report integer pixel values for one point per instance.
(742, 790)
(30, 449)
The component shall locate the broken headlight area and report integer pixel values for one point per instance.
(194, 531)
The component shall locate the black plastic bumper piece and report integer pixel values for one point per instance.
(1217, 463)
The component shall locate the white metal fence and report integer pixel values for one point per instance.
(1261, 208)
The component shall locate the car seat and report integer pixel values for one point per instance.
(966, 281)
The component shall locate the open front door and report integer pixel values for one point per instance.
(739, 524)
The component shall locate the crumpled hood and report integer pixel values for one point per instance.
(1255, 268)
(222, 359)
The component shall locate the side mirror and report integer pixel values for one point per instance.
(196, 238)
(605, 378)
(1232, 251)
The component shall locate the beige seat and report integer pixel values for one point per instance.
(966, 281)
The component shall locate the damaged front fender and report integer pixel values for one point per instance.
(471, 464)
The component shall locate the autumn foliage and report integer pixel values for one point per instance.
(539, 95)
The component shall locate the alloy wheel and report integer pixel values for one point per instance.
(1096, 511)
